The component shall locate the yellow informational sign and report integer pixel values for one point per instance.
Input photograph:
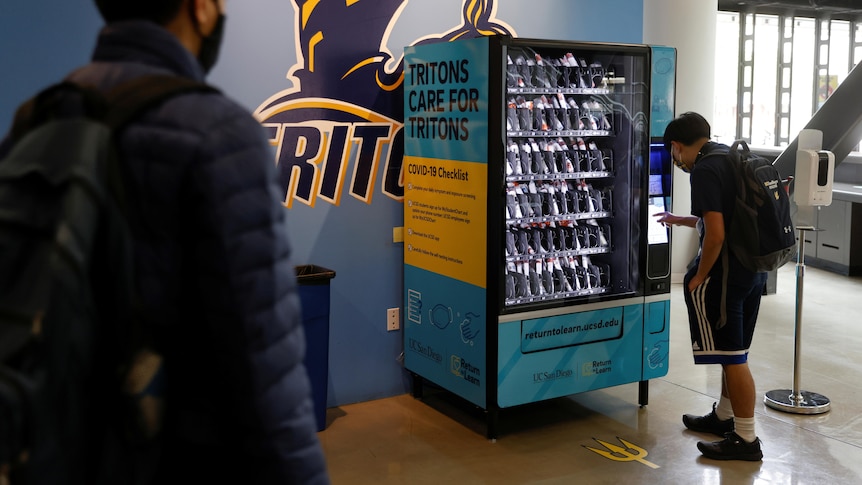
(445, 217)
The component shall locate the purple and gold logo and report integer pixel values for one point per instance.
(339, 129)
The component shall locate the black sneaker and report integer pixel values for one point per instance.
(708, 424)
(732, 447)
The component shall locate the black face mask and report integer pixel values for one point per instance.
(211, 44)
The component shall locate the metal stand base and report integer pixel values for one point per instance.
(804, 403)
(794, 400)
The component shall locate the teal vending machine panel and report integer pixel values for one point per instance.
(526, 201)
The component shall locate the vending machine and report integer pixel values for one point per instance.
(533, 265)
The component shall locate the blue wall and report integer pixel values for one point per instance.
(40, 41)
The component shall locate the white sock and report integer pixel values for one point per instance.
(724, 410)
(744, 427)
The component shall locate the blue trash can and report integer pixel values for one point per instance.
(313, 289)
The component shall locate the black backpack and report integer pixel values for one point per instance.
(761, 233)
(73, 356)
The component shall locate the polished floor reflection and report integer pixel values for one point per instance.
(439, 440)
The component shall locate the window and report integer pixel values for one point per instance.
(726, 76)
(773, 72)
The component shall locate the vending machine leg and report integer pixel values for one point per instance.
(492, 420)
(417, 385)
(643, 393)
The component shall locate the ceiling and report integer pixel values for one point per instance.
(835, 9)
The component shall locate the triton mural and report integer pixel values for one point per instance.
(338, 129)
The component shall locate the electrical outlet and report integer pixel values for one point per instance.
(392, 319)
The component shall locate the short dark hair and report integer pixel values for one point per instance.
(158, 11)
(686, 128)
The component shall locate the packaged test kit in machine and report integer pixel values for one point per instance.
(533, 268)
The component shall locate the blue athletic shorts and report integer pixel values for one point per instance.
(722, 313)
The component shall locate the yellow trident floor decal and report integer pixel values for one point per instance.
(631, 452)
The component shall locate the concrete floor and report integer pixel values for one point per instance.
(439, 440)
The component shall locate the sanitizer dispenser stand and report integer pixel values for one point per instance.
(812, 188)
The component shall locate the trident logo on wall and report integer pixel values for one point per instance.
(339, 128)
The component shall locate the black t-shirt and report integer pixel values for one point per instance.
(713, 189)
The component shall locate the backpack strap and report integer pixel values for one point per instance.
(127, 101)
(745, 186)
(734, 158)
(63, 99)
(744, 151)
(131, 98)
(719, 152)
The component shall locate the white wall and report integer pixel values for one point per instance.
(688, 25)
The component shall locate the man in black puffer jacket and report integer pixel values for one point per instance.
(213, 259)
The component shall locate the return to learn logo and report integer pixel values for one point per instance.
(596, 367)
(465, 370)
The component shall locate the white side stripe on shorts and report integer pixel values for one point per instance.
(698, 297)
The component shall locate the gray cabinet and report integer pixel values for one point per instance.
(833, 239)
(835, 246)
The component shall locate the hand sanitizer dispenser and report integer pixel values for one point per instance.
(813, 179)
(815, 170)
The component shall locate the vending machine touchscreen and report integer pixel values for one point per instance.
(658, 235)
